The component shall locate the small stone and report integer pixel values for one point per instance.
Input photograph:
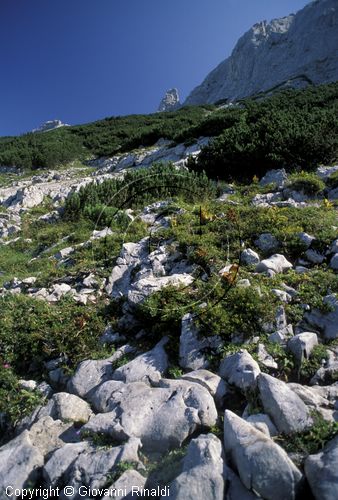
(314, 257)
(212, 382)
(334, 262)
(68, 407)
(61, 254)
(276, 263)
(301, 345)
(249, 257)
(263, 423)
(240, 369)
(282, 295)
(267, 242)
(264, 357)
(306, 239)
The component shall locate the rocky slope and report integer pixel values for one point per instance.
(221, 422)
(293, 51)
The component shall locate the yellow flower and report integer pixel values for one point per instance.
(327, 203)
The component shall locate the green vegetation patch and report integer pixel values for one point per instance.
(15, 402)
(306, 182)
(33, 331)
(102, 202)
(293, 129)
(312, 440)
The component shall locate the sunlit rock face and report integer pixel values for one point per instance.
(170, 101)
(292, 51)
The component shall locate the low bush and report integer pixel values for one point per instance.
(15, 402)
(33, 331)
(306, 182)
(332, 181)
(138, 188)
(312, 440)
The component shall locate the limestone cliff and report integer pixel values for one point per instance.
(295, 51)
(50, 125)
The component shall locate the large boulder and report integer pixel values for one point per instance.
(138, 273)
(26, 197)
(322, 472)
(20, 463)
(131, 256)
(277, 177)
(236, 489)
(48, 435)
(262, 465)
(91, 373)
(148, 367)
(68, 407)
(334, 262)
(93, 469)
(314, 257)
(203, 471)
(144, 287)
(286, 409)
(317, 399)
(162, 417)
(191, 345)
(59, 462)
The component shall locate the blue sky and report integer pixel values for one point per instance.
(82, 60)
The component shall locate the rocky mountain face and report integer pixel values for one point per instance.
(170, 101)
(50, 125)
(292, 51)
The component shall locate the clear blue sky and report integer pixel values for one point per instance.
(82, 60)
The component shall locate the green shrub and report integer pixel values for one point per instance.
(138, 188)
(243, 310)
(332, 181)
(310, 366)
(15, 402)
(312, 440)
(307, 182)
(293, 129)
(33, 331)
